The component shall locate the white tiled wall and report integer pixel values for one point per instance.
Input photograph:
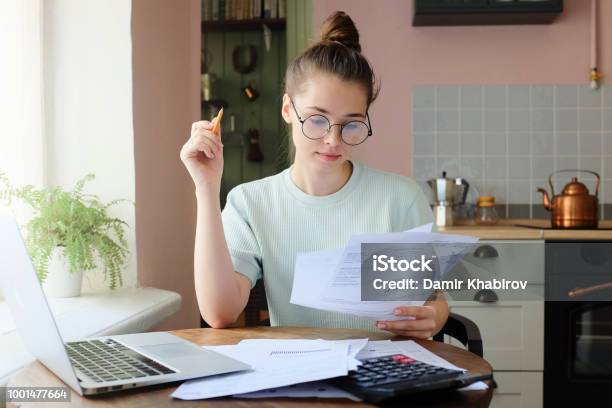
(506, 140)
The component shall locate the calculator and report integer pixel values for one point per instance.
(382, 378)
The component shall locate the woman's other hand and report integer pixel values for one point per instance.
(420, 322)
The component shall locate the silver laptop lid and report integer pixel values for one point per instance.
(28, 305)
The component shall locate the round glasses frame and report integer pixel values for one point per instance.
(342, 125)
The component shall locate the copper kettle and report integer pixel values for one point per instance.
(574, 207)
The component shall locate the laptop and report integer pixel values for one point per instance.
(95, 365)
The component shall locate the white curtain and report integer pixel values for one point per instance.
(22, 147)
(22, 136)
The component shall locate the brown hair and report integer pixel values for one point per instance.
(338, 52)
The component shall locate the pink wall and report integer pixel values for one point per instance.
(166, 92)
(166, 49)
(404, 56)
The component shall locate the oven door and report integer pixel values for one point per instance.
(578, 323)
(578, 353)
(591, 343)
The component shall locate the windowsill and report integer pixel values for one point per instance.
(131, 310)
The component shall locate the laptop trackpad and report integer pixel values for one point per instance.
(172, 350)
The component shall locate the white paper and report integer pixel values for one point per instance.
(276, 363)
(453, 249)
(422, 228)
(379, 348)
(312, 268)
(340, 271)
(354, 347)
(316, 389)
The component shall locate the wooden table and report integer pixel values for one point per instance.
(35, 374)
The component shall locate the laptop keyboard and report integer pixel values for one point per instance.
(108, 360)
(397, 369)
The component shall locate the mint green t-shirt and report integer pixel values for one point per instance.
(268, 221)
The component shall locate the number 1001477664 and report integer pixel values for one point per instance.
(35, 394)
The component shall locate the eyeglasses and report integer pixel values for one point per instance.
(318, 126)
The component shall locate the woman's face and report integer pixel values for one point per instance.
(339, 101)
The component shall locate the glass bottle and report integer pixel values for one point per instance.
(486, 214)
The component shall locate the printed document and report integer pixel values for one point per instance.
(340, 271)
(276, 363)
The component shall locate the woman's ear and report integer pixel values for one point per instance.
(286, 108)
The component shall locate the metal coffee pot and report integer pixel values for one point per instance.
(574, 207)
(447, 193)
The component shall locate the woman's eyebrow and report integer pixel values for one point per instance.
(350, 115)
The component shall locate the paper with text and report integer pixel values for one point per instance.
(340, 270)
(276, 363)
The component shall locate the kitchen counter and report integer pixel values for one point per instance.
(508, 229)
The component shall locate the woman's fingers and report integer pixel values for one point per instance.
(206, 127)
(202, 133)
(408, 325)
(203, 147)
(210, 149)
(215, 144)
(418, 312)
(202, 139)
(420, 322)
(202, 124)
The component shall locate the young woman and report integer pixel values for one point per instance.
(318, 203)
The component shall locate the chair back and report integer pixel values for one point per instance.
(255, 312)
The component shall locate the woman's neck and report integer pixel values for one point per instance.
(321, 183)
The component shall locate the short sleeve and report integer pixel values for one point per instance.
(241, 240)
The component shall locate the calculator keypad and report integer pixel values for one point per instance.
(397, 368)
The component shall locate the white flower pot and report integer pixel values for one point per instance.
(60, 282)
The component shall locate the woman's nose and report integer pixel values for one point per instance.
(334, 136)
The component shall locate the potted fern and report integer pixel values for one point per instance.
(70, 232)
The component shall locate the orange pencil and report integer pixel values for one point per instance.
(216, 125)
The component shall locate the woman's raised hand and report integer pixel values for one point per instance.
(202, 155)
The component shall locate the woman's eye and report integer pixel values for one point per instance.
(319, 121)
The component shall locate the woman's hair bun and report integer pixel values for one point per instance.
(339, 28)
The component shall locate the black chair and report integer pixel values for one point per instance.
(257, 307)
(463, 329)
(457, 326)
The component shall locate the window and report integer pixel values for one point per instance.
(22, 156)
(21, 99)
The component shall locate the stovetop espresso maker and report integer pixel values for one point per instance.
(447, 193)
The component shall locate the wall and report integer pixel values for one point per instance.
(166, 89)
(88, 102)
(405, 56)
(507, 140)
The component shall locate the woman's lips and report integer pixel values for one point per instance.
(328, 156)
